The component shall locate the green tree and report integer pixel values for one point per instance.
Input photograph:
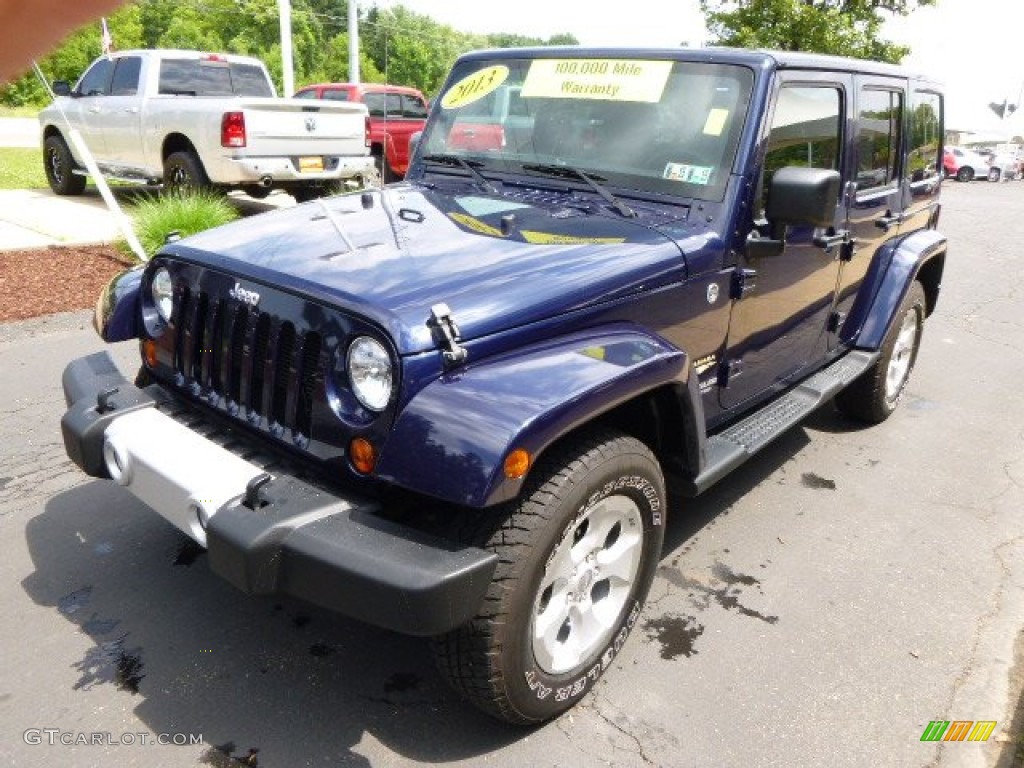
(411, 48)
(843, 27)
(75, 53)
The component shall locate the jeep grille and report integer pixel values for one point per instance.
(250, 362)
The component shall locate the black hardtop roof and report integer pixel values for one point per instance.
(757, 59)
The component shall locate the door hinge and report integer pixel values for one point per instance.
(835, 321)
(446, 334)
(743, 282)
(848, 248)
(729, 370)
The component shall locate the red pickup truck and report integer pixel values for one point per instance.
(396, 113)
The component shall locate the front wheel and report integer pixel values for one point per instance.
(874, 396)
(576, 556)
(59, 166)
(965, 174)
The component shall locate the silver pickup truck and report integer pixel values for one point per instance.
(184, 118)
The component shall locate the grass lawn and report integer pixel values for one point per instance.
(21, 168)
(18, 111)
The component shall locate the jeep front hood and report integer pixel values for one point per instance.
(391, 256)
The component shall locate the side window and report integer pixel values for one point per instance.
(335, 94)
(306, 95)
(879, 117)
(924, 151)
(413, 106)
(394, 104)
(96, 82)
(375, 104)
(806, 131)
(126, 76)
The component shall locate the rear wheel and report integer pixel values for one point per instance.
(184, 171)
(994, 174)
(874, 396)
(576, 557)
(59, 166)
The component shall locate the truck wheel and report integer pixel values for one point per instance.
(59, 164)
(576, 556)
(380, 162)
(184, 170)
(874, 396)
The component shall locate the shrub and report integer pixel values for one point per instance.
(185, 212)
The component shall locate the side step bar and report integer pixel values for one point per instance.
(737, 443)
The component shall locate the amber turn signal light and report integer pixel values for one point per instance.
(516, 464)
(149, 352)
(362, 454)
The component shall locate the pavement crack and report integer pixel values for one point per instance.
(598, 699)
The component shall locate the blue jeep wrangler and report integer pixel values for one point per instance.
(449, 407)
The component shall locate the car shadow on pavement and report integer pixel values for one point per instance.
(193, 655)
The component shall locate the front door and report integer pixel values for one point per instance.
(782, 302)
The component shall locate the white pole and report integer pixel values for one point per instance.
(284, 9)
(353, 41)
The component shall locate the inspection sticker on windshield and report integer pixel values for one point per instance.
(474, 87)
(691, 174)
(604, 79)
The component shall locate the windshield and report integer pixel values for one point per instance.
(664, 126)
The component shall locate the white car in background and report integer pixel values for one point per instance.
(965, 164)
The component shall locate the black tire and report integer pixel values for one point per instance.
(965, 174)
(994, 174)
(59, 166)
(384, 170)
(256, 192)
(874, 396)
(600, 495)
(184, 170)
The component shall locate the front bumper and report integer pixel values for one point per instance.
(279, 536)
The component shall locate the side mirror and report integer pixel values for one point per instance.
(803, 196)
(61, 88)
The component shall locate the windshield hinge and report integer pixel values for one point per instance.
(446, 334)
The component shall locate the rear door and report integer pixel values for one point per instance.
(122, 123)
(782, 303)
(875, 188)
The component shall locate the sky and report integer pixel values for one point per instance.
(976, 47)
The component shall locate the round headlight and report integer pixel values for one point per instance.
(163, 293)
(369, 371)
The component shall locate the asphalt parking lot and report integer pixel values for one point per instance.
(819, 607)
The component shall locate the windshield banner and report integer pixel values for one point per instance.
(604, 79)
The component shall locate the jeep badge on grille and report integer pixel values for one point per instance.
(246, 297)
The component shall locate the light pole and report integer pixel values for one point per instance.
(284, 9)
(353, 41)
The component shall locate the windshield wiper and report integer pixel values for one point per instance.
(469, 165)
(567, 171)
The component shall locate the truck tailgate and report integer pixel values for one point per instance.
(300, 126)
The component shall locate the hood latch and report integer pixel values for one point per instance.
(446, 334)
